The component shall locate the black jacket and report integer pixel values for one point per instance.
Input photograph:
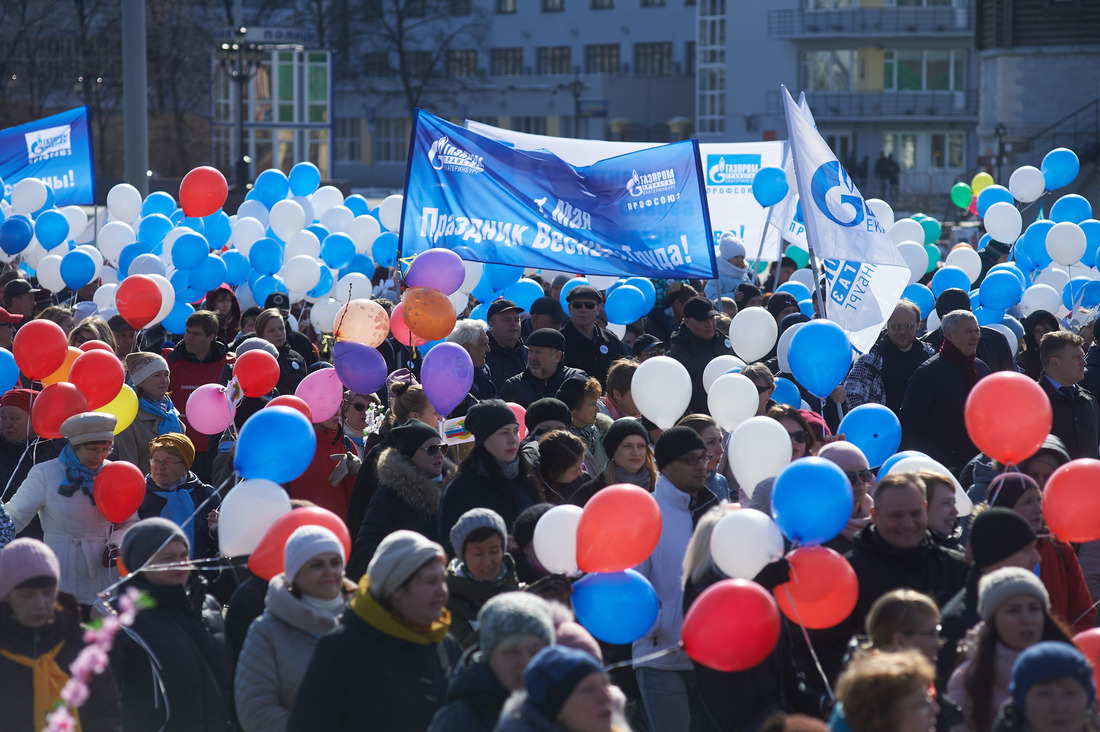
(366, 480)
(1076, 422)
(474, 699)
(1092, 370)
(292, 369)
(695, 353)
(932, 413)
(591, 355)
(524, 388)
(959, 615)
(246, 604)
(205, 544)
(992, 348)
(504, 363)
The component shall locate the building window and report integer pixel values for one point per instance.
(653, 58)
(530, 125)
(418, 63)
(553, 6)
(828, 70)
(462, 62)
(709, 63)
(554, 59)
(916, 70)
(655, 3)
(689, 58)
(602, 58)
(946, 150)
(377, 63)
(506, 61)
(460, 7)
(903, 147)
(349, 139)
(603, 4)
(391, 139)
(506, 7)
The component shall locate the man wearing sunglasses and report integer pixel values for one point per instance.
(588, 347)
(695, 343)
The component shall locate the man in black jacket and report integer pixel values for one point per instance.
(588, 347)
(1076, 412)
(507, 355)
(545, 371)
(695, 343)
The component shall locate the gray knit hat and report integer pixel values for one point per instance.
(476, 518)
(146, 537)
(999, 585)
(397, 558)
(254, 343)
(513, 613)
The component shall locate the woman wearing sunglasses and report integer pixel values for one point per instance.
(410, 484)
(803, 440)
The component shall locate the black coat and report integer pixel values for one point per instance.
(524, 388)
(591, 355)
(959, 615)
(186, 633)
(695, 353)
(246, 604)
(366, 480)
(205, 544)
(1076, 422)
(504, 363)
(474, 699)
(932, 413)
(361, 678)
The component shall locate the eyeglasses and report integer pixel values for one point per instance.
(865, 475)
(903, 326)
(585, 304)
(159, 463)
(434, 450)
(691, 461)
(358, 407)
(799, 436)
(98, 450)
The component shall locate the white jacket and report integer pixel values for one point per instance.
(73, 527)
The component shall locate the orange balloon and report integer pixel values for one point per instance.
(1071, 501)
(428, 312)
(619, 528)
(362, 321)
(1008, 415)
(823, 589)
(62, 373)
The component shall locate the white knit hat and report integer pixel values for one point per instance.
(304, 544)
(142, 365)
(1001, 584)
(729, 246)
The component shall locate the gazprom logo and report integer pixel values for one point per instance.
(445, 156)
(51, 142)
(835, 195)
(732, 170)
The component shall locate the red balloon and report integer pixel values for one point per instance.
(203, 191)
(119, 489)
(40, 348)
(98, 374)
(1008, 416)
(1071, 501)
(619, 528)
(138, 300)
(823, 589)
(1089, 643)
(267, 559)
(54, 405)
(95, 346)
(732, 626)
(401, 330)
(289, 400)
(257, 372)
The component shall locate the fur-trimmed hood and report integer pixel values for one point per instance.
(409, 484)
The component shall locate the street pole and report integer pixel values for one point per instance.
(135, 104)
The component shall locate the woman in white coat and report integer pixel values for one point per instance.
(61, 493)
(303, 604)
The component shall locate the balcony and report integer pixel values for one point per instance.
(916, 106)
(874, 22)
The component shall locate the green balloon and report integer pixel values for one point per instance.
(761, 266)
(961, 195)
(933, 256)
(919, 217)
(932, 229)
(800, 256)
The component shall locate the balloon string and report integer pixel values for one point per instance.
(30, 443)
(806, 637)
(642, 659)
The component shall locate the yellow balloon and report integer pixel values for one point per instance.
(981, 181)
(124, 406)
(62, 373)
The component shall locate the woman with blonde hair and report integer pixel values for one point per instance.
(92, 328)
(889, 692)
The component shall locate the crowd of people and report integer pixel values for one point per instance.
(441, 615)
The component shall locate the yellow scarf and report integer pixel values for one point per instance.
(369, 611)
(48, 678)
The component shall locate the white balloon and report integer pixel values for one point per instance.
(247, 513)
(932, 322)
(245, 233)
(759, 449)
(916, 258)
(338, 218)
(96, 256)
(109, 276)
(78, 220)
(783, 350)
(113, 238)
(882, 211)
(301, 273)
(555, 539)
(28, 195)
(167, 298)
(752, 333)
(618, 329)
(287, 219)
(124, 202)
(1004, 330)
(104, 296)
(1040, 296)
(307, 207)
(718, 366)
(461, 301)
(146, 264)
(806, 277)
(1066, 243)
(325, 198)
(323, 315)
(364, 230)
(1054, 276)
(305, 242)
(353, 286)
(602, 282)
(910, 464)
(389, 212)
(1003, 222)
(1027, 184)
(744, 542)
(255, 210)
(33, 254)
(967, 260)
(49, 273)
(906, 230)
(733, 398)
(661, 388)
(473, 276)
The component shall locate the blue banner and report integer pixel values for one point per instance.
(642, 213)
(57, 150)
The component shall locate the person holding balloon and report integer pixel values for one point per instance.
(157, 415)
(292, 365)
(173, 492)
(803, 440)
(617, 401)
(631, 460)
(356, 411)
(21, 448)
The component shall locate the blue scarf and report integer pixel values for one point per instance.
(178, 508)
(169, 417)
(77, 475)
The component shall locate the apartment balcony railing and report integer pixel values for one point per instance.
(797, 23)
(885, 105)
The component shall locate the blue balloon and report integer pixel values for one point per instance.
(811, 500)
(1090, 298)
(356, 204)
(1092, 242)
(217, 229)
(1000, 290)
(1060, 166)
(384, 249)
(9, 372)
(615, 607)
(1073, 292)
(984, 241)
(189, 251)
(482, 292)
(209, 275)
(77, 269)
(237, 267)
(360, 263)
(193, 223)
(266, 256)
(1015, 270)
(180, 280)
(896, 458)
(153, 228)
(948, 277)
(49, 204)
(267, 285)
(324, 285)
(625, 305)
(1071, 207)
(271, 186)
(304, 179)
(975, 302)
(806, 307)
(176, 217)
(337, 250)
(1022, 259)
(575, 282)
(769, 185)
(176, 320)
(799, 290)
(874, 429)
(51, 228)
(501, 276)
(481, 312)
(321, 232)
(524, 293)
(159, 202)
(1035, 242)
(820, 356)
(787, 393)
(276, 443)
(1014, 325)
(988, 316)
(15, 234)
(647, 288)
(920, 296)
(129, 253)
(430, 345)
(991, 195)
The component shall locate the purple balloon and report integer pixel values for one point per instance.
(359, 367)
(447, 375)
(438, 268)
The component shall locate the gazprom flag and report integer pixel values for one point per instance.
(57, 150)
(641, 213)
(865, 272)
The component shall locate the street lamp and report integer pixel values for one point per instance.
(239, 61)
(576, 88)
(1000, 130)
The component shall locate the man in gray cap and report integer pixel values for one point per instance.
(695, 343)
(507, 355)
(588, 347)
(545, 371)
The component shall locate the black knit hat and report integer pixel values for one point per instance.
(780, 301)
(485, 418)
(675, 442)
(997, 534)
(571, 391)
(408, 438)
(548, 409)
(524, 529)
(1007, 488)
(619, 430)
(546, 338)
(950, 300)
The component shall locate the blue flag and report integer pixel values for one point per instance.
(55, 149)
(642, 213)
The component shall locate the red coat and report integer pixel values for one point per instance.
(1061, 575)
(187, 374)
(314, 484)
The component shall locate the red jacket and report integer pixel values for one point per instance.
(314, 484)
(1061, 575)
(187, 374)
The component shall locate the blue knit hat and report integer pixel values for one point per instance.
(553, 674)
(1049, 660)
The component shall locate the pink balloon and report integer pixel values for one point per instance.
(400, 328)
(208, 410)
(521, 414)
(322, 391)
